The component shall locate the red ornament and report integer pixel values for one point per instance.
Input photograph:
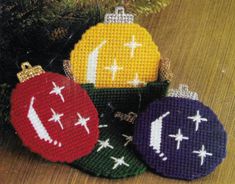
(53, 115)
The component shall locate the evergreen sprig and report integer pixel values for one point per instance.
(44, 31)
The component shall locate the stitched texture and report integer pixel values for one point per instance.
(115, 56)
(113, 156)
(54, 117)
(180, 138)
(165, 72)
(119, 97)
(183, 92)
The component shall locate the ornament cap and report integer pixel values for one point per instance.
(29, 71)
(183, 92)
(119, 16)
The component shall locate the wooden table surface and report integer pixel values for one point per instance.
(199, 38)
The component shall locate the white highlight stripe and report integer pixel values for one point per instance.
(37, 124)
(156, 134)
(92, 63)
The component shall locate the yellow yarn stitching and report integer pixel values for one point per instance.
(110, 44)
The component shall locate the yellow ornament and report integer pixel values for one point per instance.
(115, 54)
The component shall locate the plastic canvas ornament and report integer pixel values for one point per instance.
(113, 156)
(108, 62)
(53, 115)
(179, 137)
(115, 54)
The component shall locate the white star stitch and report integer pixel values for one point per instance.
(104, 144)
(178, 137)
(56, 118)
(128, 139)
(119, 162)
(197, 119)
(132, 45)
(136, 82)
(83, 122)
(57, 90)
(114, 69)
(202, 154)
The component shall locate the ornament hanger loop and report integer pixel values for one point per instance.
(119, 10)
(26, 65)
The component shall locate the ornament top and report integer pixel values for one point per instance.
(119, 16)
(183, 92)
(28, 71)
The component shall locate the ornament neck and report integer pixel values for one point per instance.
(183, 92)
(29, 72)
(119, 17)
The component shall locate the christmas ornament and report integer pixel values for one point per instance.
(179, 137)
(113, 156)
(115, 54)
(52, 115)
(91, 63)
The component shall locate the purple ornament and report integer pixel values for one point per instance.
(180, 138)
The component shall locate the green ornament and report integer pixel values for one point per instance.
(113, 156)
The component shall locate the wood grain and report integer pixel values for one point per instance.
(199, 37)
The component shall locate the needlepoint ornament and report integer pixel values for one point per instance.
(113, 156)
(117, 61)
(115, 54)
(53, 115)
(180, 137)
